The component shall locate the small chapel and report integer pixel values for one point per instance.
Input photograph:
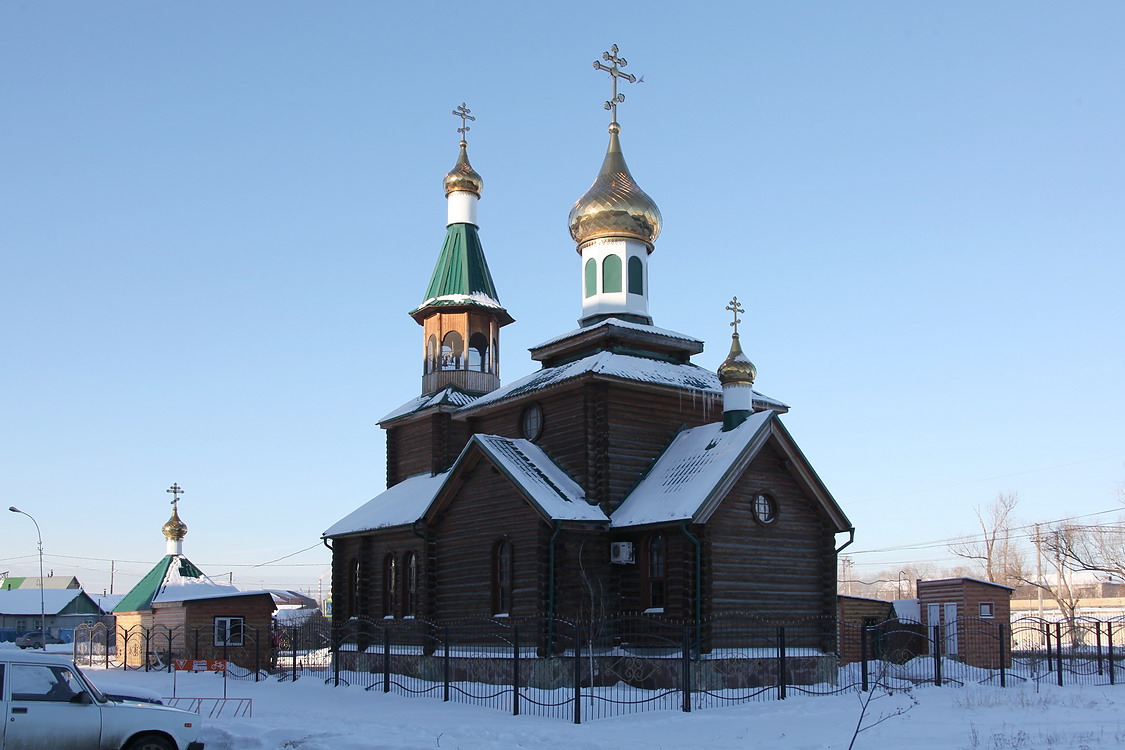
(619, 477)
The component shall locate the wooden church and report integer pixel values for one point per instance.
(617, 478)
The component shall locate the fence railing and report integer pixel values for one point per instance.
(583, 670)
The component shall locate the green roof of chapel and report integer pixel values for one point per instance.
(140, 596)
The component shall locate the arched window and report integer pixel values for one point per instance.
(636, 276)
(390, 586)
(431, 354)
(478, 352)
(352, 609)
(611, 273)
(656, 572)
(502, 577)
(452, 351)
(591, 275)
(410, 585)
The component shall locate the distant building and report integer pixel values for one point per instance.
(65, 609)
(50, 582)
(176, 611)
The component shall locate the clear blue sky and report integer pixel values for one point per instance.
(214, 218)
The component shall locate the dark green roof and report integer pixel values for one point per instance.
(461, 275)
(140, 596)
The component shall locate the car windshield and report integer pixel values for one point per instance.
(99, 696)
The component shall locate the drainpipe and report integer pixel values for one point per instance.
(324, 539)
(551, 588)
(851, 538)
(698, 581)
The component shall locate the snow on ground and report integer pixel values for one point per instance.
(308, 715)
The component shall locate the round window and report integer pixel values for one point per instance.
(765, 510)
(532, 422)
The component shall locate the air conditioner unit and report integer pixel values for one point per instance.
(621, 553)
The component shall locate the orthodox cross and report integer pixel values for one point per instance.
(615, 72)
(463, 112)
(176, 491)
(735, 309)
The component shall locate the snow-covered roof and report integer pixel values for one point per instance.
(618, 323)
(966, 578)
(479, 299)
(26, 601)
(541, 480)
(448, 396)
(401, 504)
(179, 586)
(697, 463)
(639, 369)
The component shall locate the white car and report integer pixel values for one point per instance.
(48, 703)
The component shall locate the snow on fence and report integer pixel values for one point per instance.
(583, 670)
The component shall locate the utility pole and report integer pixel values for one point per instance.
(112, 570)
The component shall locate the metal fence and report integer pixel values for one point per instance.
(585, 670)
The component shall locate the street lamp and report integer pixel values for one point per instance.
(42, 606)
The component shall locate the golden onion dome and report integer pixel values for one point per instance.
(463, 177)
(174, 529)
(615, 206)
(737, 369)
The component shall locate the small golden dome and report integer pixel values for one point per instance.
(737, 369)
(175, 529)
(615, 206)
(463, 177)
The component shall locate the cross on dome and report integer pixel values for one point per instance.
(735, 309)
(176, 491)
(463, 112)
(615, 72)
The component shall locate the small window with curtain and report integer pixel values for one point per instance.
(611, 273)
(636, 276)
(591, 278)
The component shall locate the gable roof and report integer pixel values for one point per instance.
(174, 578)
(538, 478)
(701, 465)
(399, 505)
(27, 601)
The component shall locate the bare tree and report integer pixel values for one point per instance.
(1094, 548)
(996, 553)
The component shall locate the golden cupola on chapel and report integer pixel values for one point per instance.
(614, 225)
(174, 528)
(461, 315)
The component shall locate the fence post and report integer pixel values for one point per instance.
(577, 674)
(863, 658)
(445, 665)
(1058, 651)
(1109, 648)
(293, 645)
(781, 663)
(936, 629)
(387, 661)
(685, 670)
(148, 648)
(1003, 665)
(1098, 645)
(337, 641)
(515, 671)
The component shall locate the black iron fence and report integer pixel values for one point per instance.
(583, 670)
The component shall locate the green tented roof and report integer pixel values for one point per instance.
(461, 275)
(141, 596)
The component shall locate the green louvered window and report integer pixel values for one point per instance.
(636, 276)
(591, 278)
(611, 273)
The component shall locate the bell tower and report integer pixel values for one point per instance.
(461, 315)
